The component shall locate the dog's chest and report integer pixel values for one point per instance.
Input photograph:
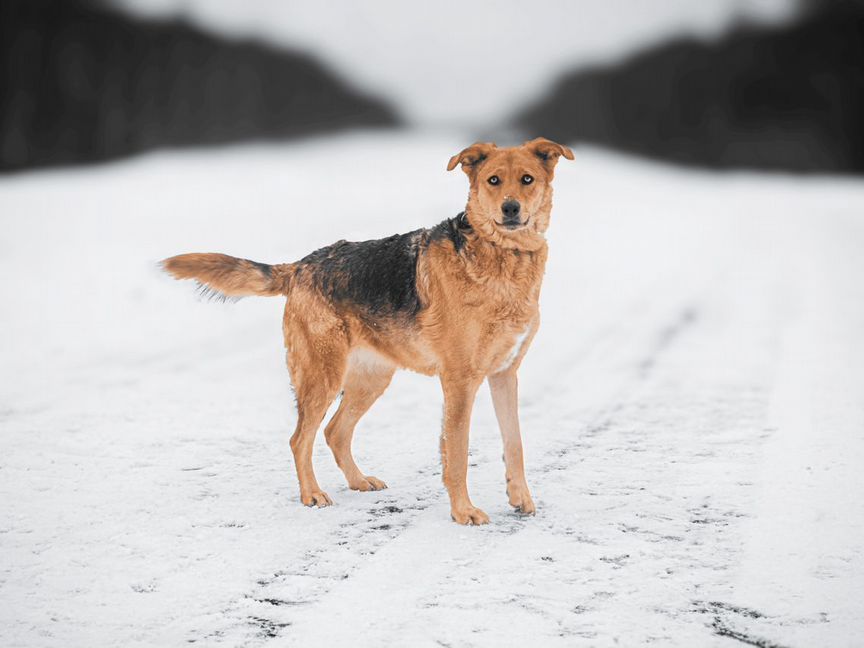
(506, 359)
(507, 305)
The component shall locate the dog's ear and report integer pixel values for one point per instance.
(471, 156)
(548, 151)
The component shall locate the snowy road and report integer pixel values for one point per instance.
(692, 408)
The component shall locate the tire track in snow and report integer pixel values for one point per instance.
(329, 589)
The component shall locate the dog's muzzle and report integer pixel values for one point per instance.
(511, 212)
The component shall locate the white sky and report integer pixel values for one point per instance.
(454, 61)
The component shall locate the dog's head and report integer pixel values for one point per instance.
(511, 190)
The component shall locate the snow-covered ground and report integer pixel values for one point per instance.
(692, 408)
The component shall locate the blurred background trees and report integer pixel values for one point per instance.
(89, 80)
(81, 82)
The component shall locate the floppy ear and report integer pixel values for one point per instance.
(471, 156)
(548, 151)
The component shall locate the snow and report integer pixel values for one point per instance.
(691, 408)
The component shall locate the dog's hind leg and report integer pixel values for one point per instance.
(363, 384)
(317, 367)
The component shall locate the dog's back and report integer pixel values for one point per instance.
(378, 276)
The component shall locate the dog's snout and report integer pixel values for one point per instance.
(510, 209)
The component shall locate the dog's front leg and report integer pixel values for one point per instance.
(459, 393)
(504, 388)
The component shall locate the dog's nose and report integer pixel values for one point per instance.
(510, 209)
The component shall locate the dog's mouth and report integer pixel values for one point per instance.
(513, 226)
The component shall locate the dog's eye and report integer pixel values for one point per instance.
(527, 179)
(494, 180)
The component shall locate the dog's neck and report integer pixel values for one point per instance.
(490, 263)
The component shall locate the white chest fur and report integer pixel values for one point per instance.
(515, 350)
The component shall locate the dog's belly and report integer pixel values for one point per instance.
(365, 359)
(403, 353)
(417, 357)
(484, 349)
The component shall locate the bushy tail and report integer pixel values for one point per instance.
(223, 276)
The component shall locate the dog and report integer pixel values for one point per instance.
(459, 300)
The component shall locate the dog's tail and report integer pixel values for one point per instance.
(223, 276)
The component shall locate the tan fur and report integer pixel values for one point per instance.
(479, 317)
(228, 275)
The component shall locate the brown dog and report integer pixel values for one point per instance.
(458, 300)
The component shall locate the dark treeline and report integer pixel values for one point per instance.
(786, 98)
(80, 82)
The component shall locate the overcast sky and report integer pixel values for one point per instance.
(461, 62)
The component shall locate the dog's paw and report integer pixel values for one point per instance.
(316, 498)
(520, 499)
(367, 483)
(469, 515)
